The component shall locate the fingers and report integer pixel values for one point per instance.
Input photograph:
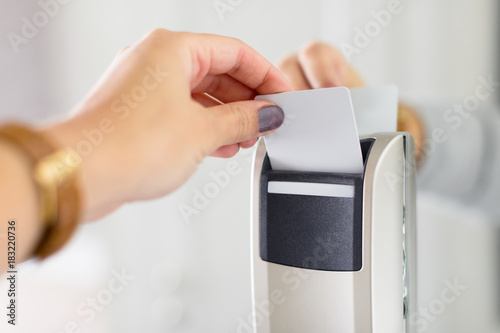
(351, 78)
(248, 143)
(231, 150)
(226, 151)
(205, 100)
(216, 55)
(243, 121)
(225, 88)
(292, 70)
(321, 65)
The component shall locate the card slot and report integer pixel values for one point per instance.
(311, 219)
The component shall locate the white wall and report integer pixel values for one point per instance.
(195, 277)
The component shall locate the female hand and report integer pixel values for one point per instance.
(318, 65)
(164, 104)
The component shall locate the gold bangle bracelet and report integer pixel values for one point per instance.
(56, 182)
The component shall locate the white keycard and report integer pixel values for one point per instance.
(319, 133)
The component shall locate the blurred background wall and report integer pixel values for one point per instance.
(193, 274)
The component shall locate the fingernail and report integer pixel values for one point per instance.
(270, 117)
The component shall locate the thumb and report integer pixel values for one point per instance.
(240, 121)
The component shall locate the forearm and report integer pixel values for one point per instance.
(19, 202)
(461, 155)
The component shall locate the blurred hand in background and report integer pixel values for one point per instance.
(319, 65)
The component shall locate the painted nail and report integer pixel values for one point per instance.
(270, 117)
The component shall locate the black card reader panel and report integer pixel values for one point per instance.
(312, 231)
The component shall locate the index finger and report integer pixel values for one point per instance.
(217, 55)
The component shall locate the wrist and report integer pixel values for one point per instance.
(74, 137)
(56, 186)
